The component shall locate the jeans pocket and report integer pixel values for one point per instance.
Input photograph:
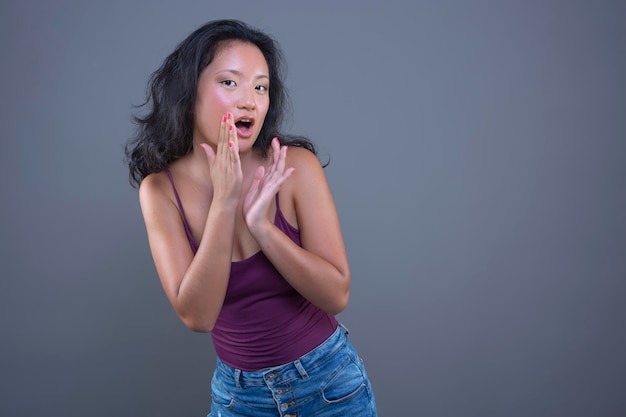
(344, 384)
(220, 396)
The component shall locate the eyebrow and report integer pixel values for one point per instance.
(238, 73)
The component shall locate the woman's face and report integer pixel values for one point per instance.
(236, 82)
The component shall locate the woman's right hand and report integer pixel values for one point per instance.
(224, 163)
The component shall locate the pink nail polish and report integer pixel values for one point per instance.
(224, 119)
(230, 144)
(230, 127)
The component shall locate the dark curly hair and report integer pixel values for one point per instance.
(165, 133)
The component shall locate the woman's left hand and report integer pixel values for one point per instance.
(264, 188)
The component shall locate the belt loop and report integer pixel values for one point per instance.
(344, 329)
(237, 378)
(301, 369)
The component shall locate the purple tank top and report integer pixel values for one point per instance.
(264, 321)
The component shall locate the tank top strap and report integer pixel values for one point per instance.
(192, 241)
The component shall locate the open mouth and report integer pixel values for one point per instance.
(244, 127)
(244, 124)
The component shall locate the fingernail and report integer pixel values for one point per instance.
(224, 119)
(228, 116)
(230, 127)
(230, 144)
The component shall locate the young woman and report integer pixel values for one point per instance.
(243, 229)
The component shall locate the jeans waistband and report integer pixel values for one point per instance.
(308, 361)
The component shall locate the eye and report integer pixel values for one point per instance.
(229, 83)
(261, 88)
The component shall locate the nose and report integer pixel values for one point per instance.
(247, 100)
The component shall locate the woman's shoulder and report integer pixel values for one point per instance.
(155, 188)
(154, 182)
(302, 159)
(309, 173)
(163, 181)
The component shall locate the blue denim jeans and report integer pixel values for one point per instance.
(328, 381)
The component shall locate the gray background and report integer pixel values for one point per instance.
(477, 163)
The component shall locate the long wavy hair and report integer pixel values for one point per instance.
(165, 132)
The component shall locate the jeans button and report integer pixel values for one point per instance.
(284, 407)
